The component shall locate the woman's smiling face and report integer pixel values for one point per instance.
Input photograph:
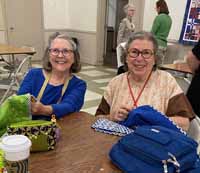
(140, 58)
(61, 55)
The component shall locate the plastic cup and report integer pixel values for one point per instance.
(16, 153)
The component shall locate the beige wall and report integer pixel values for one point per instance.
(3, 37)
(77, 21)
(70, 14)
(2, 23)
(87, 42)
(86, 33)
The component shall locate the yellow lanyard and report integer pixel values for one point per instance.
(45, 84)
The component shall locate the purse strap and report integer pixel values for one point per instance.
(47, 77)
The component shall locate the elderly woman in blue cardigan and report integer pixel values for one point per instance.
(56, 89)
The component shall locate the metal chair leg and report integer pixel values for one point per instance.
(7, 91)
(15, 81)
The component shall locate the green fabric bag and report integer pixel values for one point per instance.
(1, 161)
(41, 133)
(14, 109)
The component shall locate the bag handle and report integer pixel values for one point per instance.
(47, 77)
(172, 159)
(41, 92)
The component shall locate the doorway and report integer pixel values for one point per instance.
(114, 15)
(24, 24)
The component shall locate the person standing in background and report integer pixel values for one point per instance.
(126, 28)
(193, 94)
(161, 28)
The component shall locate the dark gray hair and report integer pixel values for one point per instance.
(141, 35)
(163, 6)
(76, 66)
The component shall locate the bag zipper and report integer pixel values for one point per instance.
(138, 150)
(36, 123)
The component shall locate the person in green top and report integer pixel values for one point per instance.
(161, 28)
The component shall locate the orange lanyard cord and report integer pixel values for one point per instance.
(135, 100)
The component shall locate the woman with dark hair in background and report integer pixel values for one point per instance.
(161, 28)
(57, 89)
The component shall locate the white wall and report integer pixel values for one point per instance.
(111, 12)
(177, 11)
(70, 14)
(55, 14)
(77, 19)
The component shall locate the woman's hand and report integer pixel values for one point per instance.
(37, 108)
(121, 114)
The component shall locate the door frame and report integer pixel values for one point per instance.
(101, 34)
(101, 30)
(4, 18)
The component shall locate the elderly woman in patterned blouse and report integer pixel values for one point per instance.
(144, 84)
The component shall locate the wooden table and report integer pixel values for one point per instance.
(13, 69)
(179, 67)
(12, 50)
(80, 149)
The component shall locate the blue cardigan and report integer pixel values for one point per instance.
(72, 100)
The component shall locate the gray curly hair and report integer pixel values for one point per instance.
(76, 66)
(141, 35)
(127, 7)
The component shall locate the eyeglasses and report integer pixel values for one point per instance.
(146, 53)
(56, 52)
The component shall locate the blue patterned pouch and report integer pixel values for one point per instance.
(106, 126)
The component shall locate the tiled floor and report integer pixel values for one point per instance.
(97, 78)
